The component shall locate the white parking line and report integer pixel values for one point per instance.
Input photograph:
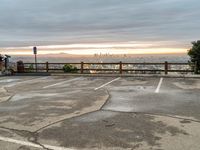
(159, 85)
(35, 79)
(60, 83)
(24, 143)
(106, 84)
(26, 81)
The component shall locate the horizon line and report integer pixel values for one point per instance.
(151, 53)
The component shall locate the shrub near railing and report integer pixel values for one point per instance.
(70, 69)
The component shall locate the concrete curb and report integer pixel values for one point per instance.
(106, 75)
(32, 74)
(127, 75)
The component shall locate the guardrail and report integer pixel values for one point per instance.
(120, 67)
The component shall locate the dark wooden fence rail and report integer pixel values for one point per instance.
(119, 67)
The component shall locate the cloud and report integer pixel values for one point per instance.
(50, 22)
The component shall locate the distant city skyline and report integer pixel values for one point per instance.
(106, 26)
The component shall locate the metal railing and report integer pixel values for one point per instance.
(120, 67)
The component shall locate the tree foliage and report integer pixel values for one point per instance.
(194, 54)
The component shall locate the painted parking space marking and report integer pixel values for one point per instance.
(25, 143)
(159, 86)
(9, 80)
(61, 83)
(26, 81)
(107, 84)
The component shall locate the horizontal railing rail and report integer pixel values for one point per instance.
(119, 67)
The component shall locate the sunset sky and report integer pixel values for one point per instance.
(94, 26)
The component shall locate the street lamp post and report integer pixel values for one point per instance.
(35, 53)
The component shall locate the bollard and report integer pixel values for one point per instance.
(20, 67)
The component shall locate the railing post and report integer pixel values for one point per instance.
(120, 67)
(82, 67)
(47, 66)
(166, 67)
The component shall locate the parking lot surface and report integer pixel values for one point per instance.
(67, 113)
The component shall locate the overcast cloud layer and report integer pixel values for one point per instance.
(53, 22)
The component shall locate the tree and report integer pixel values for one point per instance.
(194, 54)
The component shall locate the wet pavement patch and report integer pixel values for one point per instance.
(122, 130)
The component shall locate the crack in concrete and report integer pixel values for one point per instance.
(154, 114)
(34, 139)
(75, 116)
(10, 97)
(5, 90)
(109, 97)
(24, 132)
(30, 136)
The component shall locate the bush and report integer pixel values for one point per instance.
(30, 68)
(194, 54)
(69, 68)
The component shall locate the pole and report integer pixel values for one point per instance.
(36, 62)
(35, 52)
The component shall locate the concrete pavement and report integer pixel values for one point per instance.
(66, 112)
